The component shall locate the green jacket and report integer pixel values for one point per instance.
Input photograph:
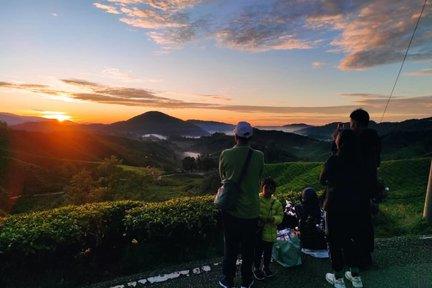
(270, 207)
(230, 164)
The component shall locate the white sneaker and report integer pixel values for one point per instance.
(355, 280)
(337, 283)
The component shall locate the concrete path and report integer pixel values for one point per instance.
(403, 262)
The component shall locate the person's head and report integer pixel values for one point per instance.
(268, 187)
(243, 132)
(345, 141)
(359, 118)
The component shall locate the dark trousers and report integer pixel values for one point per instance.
(239, 237)
(263, 249)
(343, 237)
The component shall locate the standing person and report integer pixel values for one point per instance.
(271, 215)
(369, 150)
(240, 224)
(342, 174)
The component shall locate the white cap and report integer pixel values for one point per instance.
(243, 129)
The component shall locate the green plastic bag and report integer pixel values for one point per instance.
(287, 252)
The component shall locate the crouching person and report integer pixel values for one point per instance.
(271, 214)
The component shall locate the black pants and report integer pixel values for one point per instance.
(343, 236)
(262, 247)
(239, 238)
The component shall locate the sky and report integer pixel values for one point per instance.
(269, 62)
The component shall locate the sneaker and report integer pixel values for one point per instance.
(224, 282)
(248, 284)
(355, 280)
(268, 273)
(337, 283)
(259, 274)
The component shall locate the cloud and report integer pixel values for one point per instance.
(402, 107)
(420, 73)
(54, 14)
(115, 73)
(318, 64)
(366, 33)
(217, 97)
(107, 8)
(367, 96)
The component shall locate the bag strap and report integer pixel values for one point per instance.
(245, 166)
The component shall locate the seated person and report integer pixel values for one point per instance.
(311, 221)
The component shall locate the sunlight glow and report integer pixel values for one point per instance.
(59, 116)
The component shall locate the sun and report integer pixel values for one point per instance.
(59, 116)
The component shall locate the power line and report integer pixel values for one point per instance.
(403, 61)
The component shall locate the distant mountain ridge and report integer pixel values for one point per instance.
(13, 119)
(155, 122)
(212, 126)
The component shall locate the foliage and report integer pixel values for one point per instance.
(71, 228)
(183, 219)
(295, 176)
(189, 164)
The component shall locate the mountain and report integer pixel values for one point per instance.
(213, 126)
(69, 144)
(12, 119)
(155, 122)
(48, 125)
(291, 128)
(277, 146)
(325, 132)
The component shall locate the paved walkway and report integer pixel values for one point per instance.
(398, 262)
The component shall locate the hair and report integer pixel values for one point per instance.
(360, 116)
(347, 143)
(267, 182)
(242, 140)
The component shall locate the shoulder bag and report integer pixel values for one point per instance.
(227, 195)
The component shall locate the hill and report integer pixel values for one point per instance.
(12, 119)
(155, 122)
(325, 132)
(277, 146)
(48, 125)
(213, 126)
(73, 143)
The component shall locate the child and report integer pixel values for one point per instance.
(271, 214)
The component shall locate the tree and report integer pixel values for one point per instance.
(205, 163)
(189, 164)
(80, 188)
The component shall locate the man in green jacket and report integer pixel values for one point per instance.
(240, 224)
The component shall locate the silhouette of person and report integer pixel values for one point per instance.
(240, 224)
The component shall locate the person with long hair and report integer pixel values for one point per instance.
(342, 174)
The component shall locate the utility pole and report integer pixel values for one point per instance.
(427, 211)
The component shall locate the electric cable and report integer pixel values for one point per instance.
(403, 61)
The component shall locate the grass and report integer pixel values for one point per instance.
(400, 214)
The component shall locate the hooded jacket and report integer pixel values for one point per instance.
(270, 207)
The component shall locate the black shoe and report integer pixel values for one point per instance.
(247, 284)
(259, 274)
(268, 273)
(224, 282)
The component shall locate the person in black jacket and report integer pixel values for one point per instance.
(343, 175)
(368, 145)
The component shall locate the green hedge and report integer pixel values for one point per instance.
(182, 219)
(68, 228)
